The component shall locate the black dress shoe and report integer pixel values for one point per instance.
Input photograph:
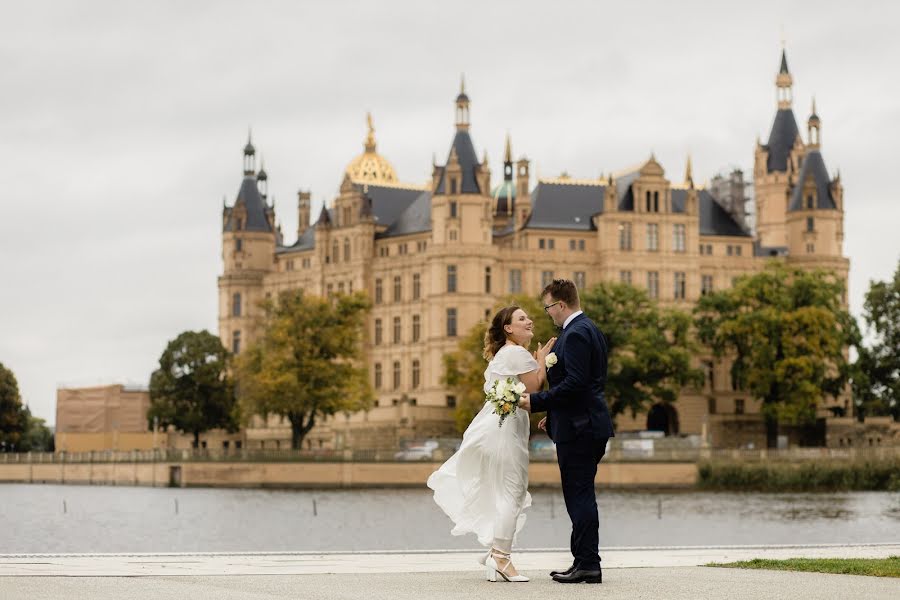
(580, 576)
(566, 572)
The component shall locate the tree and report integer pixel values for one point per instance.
(38, 437)
(788, 337)
(13, 416)
(876, 382)
(190, 390)
(305, 364)
(649, 348)
(464, 367)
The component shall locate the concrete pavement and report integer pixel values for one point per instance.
(628, 573)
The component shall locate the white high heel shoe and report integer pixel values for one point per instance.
(492, 570)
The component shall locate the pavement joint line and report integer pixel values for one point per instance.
(441, 551)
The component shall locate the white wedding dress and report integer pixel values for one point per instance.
(483, 487)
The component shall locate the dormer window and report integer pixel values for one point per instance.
(809, 202)
(810, 224)
(453, 207)
(452, 185)
(239, 224)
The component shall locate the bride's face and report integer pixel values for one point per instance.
(520, 328)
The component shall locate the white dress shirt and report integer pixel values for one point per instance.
(572, 316)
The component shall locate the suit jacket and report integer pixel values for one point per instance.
(575, 403)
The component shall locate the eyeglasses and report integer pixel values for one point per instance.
(549, 306)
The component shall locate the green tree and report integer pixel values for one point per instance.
(191, 390)
(38, 437)
(464, 367)
(13, 416)
(305, 363)
(876, 382)
(650, 348)
(787, 335)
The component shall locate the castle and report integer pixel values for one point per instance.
(435, 257)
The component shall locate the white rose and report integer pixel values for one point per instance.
(550, 360)
(520, 388)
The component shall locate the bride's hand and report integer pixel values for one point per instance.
(541, 353)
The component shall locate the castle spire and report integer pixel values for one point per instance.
(688, 174)
(507, 161)
(462, 106)
(783, 83)
(249, 155)
(814, 127)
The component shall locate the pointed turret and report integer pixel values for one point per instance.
(462, 154)
(462, 107)
(508, 161)
(784, 130)
(249, 155)
(688, 174)
(813, 128)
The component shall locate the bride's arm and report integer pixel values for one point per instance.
(534, 380)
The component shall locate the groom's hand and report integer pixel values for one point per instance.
(525, 402)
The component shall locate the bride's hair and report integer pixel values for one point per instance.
(495, 337)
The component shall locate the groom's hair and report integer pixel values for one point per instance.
(565, 290)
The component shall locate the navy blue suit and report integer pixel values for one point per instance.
(578, 422)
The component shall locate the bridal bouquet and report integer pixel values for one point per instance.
(504, 396)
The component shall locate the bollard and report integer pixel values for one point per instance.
(176, 506)
(659, 509)
(65, 508)
(552, 506)
(315, 510)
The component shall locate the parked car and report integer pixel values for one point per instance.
(423, 451)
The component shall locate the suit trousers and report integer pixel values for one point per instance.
(578, 460)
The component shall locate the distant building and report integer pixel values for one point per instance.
(114, 417)
(435, 257)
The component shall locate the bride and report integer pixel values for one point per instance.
(483, 488)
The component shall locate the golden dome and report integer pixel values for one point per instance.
(371, 167)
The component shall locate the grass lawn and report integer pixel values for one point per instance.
(877, 567)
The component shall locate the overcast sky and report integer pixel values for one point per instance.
(122, 126)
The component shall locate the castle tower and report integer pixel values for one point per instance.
(248, 250)
(461, 252)
(775, 163)
(815, 214)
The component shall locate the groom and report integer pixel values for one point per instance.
(577, 421)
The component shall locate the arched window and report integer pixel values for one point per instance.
(236, 304)
(655, 201)
(648, 201)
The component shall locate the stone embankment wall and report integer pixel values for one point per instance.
(317, 474)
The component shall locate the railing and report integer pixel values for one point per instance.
(617, 452)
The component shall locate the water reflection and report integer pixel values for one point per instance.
(48, 518)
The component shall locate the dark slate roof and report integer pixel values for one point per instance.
(468, 162)
(248, 195)
(388, 203)
(624, 193)
(565, 206)
(781, 140)
(679, 199)
(307, 241)
(784, 67)
(715, 220)
(813, 166)
(415, 219)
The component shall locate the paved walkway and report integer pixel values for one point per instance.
(628, 573)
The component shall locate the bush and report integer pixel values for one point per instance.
(805, 476)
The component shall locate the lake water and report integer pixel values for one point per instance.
(68, 518)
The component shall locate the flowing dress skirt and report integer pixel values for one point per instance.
(483, 487)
